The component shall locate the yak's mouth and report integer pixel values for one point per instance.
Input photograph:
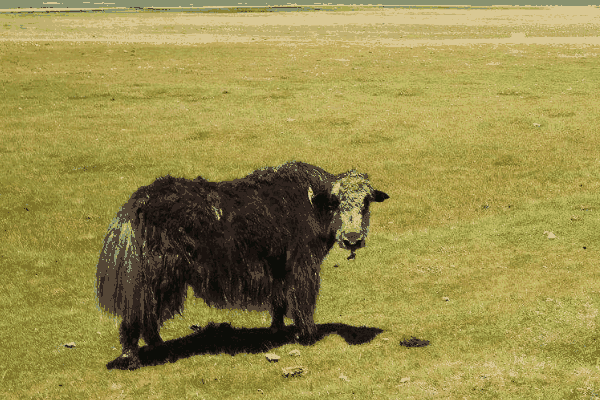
(346, 245)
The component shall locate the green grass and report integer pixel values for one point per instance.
(448, 132)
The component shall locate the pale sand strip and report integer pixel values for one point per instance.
(319, 28)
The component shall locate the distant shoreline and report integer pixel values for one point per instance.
(253, 9)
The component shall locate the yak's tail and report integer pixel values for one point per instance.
(119, 274)
(133, 282)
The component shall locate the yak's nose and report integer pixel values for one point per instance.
(351, 238)
(352, 241)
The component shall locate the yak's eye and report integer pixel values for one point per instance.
(334, 202)
(365, 207)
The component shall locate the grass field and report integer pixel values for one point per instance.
(483, 150)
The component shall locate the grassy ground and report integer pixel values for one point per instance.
(482, 150)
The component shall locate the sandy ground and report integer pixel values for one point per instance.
(574, 26)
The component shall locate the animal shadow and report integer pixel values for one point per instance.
(225, 339)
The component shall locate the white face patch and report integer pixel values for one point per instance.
(335, 190)
(352, 220)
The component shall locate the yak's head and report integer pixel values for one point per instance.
(351, 217)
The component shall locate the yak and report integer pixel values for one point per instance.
(252, 243)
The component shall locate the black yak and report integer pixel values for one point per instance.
(252, 243)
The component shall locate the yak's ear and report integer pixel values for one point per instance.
(379, 196)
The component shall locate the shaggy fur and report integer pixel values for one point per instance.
(252, 243)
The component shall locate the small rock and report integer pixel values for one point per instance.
(536, 124)
(70, 345)
(550, 235)
(272, 357)
(294, 353)
(344, 377)
(446, 298)
(404, 380)
(294, 371)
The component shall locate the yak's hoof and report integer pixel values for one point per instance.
(306, 339)
(124, 362)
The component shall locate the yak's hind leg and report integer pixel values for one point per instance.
(167, 298)
(170, 297)
(129, 334)
(162, 297)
